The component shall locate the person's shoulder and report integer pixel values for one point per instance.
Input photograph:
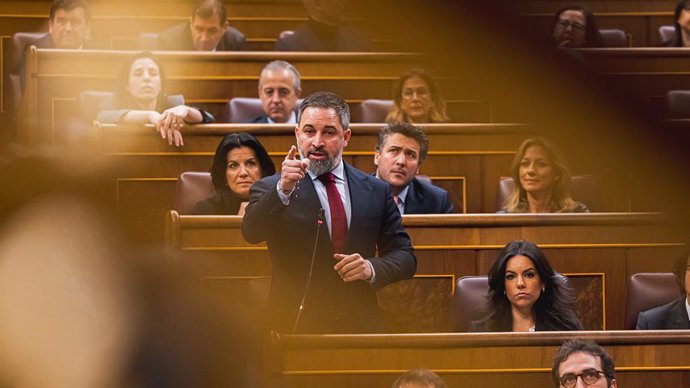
(258, 120)
(428, 187)
(664, 309)
(46, 41)
(356, 173)
(295, 40)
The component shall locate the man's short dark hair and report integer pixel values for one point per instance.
(69, 5)
(420, 376)
(589, 347)
(680, 265)
(405, 129)
(205, 9)
(327, 100)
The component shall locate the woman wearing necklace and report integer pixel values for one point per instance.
(526, 294)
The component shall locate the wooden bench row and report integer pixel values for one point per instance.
(597, 251)
(466, 159)
(642, 359)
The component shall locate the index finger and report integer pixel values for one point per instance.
(291, 153)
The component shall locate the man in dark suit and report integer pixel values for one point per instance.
(208, 30)
(325, 30)
(69, 27)
(279, 90)
(323, 221)
(400, 150)
(674, 315)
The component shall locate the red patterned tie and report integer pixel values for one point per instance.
(338, 218)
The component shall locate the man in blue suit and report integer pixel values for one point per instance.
(676, 314)
(323, 221)
(400, 150)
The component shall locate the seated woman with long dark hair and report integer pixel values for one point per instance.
(240, 160)
(526, 294)
(542, 181)
(140, 99)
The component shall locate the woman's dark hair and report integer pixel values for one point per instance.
(554, 310)
(123, 98)
(677, 40)
(592, 35)
(680, 266)
(220, 159)
(438, 112)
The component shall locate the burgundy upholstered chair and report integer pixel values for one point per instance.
(191, 188)
(647, 290)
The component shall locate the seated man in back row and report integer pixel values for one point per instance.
(69, 27)
(208, 30)
(279, 90)
(400, 150)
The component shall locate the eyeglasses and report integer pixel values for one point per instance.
(589, 377)
(564, 24)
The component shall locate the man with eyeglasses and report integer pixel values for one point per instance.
(581, 363)
(575, 27)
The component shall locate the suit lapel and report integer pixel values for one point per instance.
(414, 198)
(679, 315)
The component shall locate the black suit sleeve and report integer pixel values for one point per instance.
(396, 261)
(446, 204)
(642, 323)
(264, 204)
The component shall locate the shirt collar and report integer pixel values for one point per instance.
(403, 194)
(292, 120)
(687, 307)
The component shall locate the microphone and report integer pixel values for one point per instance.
(319, 221)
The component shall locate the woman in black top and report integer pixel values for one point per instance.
(240, 160)
(526, 294)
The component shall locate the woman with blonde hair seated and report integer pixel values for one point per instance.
(417, 99)
(542, 181)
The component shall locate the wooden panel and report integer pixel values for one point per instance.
(596, 250)
(493, 360)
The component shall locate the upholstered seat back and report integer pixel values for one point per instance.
(666, 33)
(583, 188)
(191, 188)
(614, 38)
(374, 111)
(647, 290)
(471, 294)
(678, 103)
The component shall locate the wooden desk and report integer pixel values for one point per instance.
(642, 359)
(597, 251)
